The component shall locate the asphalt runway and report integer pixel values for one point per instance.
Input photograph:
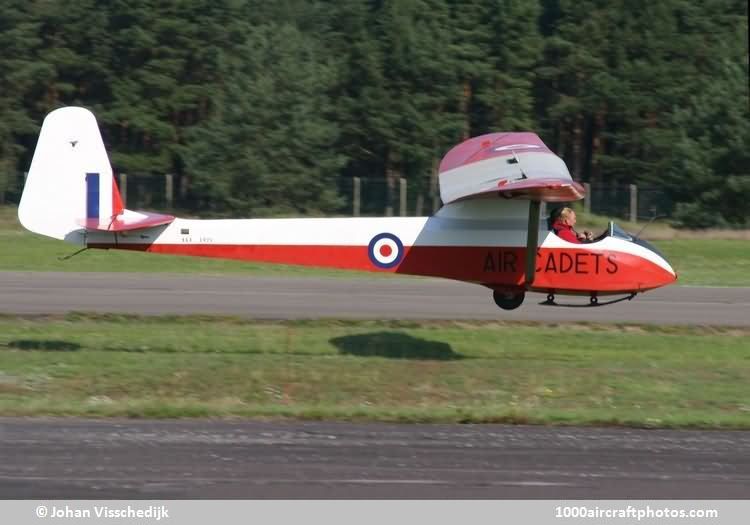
(350, 298)
(83, 459)
(131, 459)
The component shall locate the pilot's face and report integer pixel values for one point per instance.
(571, 220)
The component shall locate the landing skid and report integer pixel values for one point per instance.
(593, 301)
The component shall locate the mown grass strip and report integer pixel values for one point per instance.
(369, 370)
(713, 262)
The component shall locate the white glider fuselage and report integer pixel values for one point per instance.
(486, 249)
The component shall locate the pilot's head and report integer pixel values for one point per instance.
(568, 216)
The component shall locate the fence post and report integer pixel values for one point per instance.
(124, 189)
(402, 197)
(183, 187)
(587, 198)
(356, 195)
(169, 189)
(633, 203)
(435, 202)
(25, 175)
(420, 204)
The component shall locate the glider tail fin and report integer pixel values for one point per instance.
(70, 178)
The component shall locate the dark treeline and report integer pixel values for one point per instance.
(263, 108)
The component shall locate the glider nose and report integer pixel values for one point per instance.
(661, 273)
(673, 275)
(665, 274)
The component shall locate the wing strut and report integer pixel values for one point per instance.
(531, 241)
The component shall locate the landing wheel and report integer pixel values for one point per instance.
(594, 299)
(508, 300)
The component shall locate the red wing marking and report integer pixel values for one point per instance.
(491, 145)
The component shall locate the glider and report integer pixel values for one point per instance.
(488, 232)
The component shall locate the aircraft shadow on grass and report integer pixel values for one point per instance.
(394, 345)
(44, 345)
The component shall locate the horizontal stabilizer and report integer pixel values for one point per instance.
(127, 221)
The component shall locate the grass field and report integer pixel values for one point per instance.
(447, 372)
(700, 261)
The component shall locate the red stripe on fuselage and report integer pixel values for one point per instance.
(342, 257)
(557, 269)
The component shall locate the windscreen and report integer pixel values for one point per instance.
(616, 231)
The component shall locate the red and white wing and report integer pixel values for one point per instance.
(507, 165)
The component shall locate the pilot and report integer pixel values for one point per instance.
(562, 225)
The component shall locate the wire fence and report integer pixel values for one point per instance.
(369, 197)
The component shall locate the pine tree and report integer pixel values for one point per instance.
(19, 71)
(708, 171)
(269, 149)
(166, 73)
(360, 94)
(505, 90)
(421, 86)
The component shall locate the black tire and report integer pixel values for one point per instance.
(508, 300)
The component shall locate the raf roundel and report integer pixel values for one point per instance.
(385, 250)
